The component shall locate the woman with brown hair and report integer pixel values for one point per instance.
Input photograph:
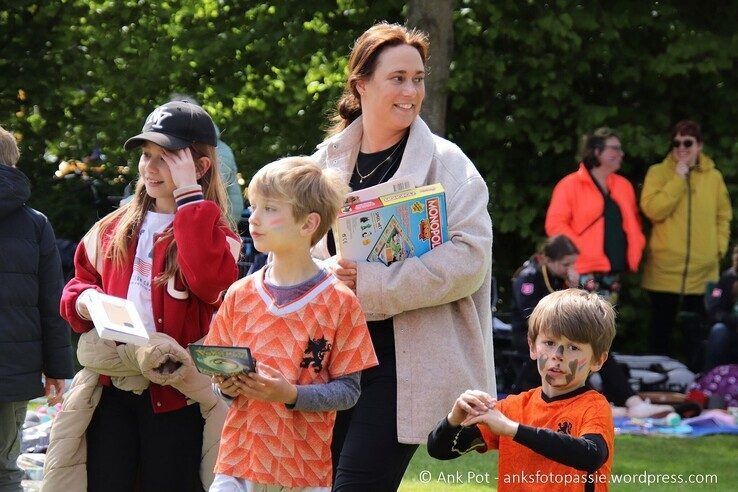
(596, 208)
(687, 202)
(429, 316)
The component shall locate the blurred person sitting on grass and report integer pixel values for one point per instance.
(722, 342)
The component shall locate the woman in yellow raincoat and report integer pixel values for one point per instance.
(688, 204)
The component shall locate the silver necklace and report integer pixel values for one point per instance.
(384, 161)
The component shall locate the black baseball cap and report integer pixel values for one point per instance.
(176, 125)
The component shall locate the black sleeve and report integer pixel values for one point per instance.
(447, 442)
(720, 308)
(586, 453)
(56, 336)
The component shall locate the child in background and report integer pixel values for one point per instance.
(171, 251)
(562, 430)
(550, 270)
(305, 328)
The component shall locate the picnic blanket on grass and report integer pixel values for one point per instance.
(708, 423)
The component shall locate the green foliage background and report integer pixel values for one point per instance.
(528, 78)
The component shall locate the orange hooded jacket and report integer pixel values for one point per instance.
(576, 210)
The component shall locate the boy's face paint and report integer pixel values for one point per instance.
(272, 226)
(562, 363)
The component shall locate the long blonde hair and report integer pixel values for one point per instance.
(129, 217)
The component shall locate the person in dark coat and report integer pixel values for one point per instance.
(34, 340)
(722, 343)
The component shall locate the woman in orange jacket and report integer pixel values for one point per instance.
(596, 208)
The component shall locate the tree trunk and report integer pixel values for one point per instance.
(436, 18)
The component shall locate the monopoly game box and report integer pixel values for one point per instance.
(393, 227)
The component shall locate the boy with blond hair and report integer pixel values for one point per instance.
(560, 435)
(305, 328)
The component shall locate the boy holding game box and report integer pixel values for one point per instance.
(306, 330)
(558, 436)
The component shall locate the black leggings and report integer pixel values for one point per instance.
(366, 454)
(128, 445)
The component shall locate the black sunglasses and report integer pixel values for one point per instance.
(675, 144)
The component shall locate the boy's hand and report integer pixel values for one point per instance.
(268, 384)
(470, 403)
(496, 421)
(228, 386)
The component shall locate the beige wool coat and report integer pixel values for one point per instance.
(131, 369)
(440, 301)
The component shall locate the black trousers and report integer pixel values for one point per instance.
(366, 454)
(665, 307)
(615, 385)
(129, 447)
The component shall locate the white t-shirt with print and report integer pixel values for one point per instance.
(139, 289)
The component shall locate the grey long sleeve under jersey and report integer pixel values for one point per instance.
(339, 394)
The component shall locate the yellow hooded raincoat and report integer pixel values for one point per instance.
(707, 216)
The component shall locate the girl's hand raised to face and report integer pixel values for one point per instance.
(182, 167)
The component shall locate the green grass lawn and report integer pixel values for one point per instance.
(633, 455)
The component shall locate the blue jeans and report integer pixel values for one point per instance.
(722, 346)
(12, 416)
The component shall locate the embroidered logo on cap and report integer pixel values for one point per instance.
(157, 116)
(526, 289)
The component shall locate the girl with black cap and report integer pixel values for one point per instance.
(171, 251)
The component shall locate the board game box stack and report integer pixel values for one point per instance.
(392, 227)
